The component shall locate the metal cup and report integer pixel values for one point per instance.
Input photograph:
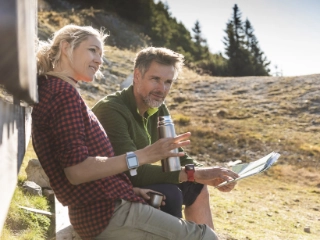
(155, 199)
(165, 130)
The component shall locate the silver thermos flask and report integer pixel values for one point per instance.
(166, 129)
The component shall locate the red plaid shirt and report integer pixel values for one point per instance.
(64, 133)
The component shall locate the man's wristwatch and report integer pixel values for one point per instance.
(189, 169)
(132, 162)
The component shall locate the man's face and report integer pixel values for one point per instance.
(153, 87)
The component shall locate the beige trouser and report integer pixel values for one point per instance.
(140, 221)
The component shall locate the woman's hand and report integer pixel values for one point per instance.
(142, 192)
(162, 149)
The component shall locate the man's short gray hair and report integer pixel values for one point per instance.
(163, 56)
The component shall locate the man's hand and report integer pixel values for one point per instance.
(225, 188)
(213, 176)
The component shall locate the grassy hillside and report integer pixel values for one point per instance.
(250, 116)
(231, 118)
(123, 34)
(246, 118)
(243, 117)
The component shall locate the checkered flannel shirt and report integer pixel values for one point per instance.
(64, 133)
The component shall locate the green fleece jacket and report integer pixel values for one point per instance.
(128, 131)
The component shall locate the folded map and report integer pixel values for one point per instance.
(250, 169)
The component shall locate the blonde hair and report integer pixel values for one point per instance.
(49, 52)
(163, 56)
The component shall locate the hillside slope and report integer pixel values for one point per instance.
(242, 117)
(236, 118)
(122, 33)
(246, 118)
(251, 116)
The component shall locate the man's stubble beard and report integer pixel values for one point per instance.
(152, 103)
(148, 101)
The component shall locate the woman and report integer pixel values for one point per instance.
(78, 158)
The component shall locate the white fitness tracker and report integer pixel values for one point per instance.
(132, 162)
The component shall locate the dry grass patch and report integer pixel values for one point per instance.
(264, 207)
(181, 119)
(241, 118)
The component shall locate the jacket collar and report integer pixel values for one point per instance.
(133, 104)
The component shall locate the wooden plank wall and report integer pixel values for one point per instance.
(18, 31)
(15, 129)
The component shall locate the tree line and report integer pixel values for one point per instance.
(243, 56)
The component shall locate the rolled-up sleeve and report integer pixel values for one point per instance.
(69, 134)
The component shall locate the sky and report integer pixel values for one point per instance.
(288, 31)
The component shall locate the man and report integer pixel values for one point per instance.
(130, 119)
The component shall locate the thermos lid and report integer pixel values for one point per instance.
(163, 120)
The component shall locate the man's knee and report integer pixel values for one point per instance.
(190, 192)
(204, 194)
(202, 199)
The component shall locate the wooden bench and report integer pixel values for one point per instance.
(64, 229)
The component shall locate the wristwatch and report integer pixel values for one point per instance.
(132, 162)
(189, 169)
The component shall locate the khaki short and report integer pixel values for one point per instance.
(136, 221)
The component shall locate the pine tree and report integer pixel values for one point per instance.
(242, 49)
(237, 24)
(239, 57)
(258, 61)
(248, 30)
(198, 34)
(201, 47)
(231, 47)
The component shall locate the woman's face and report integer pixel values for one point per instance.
(87, 58)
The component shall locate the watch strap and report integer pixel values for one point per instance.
(189, 169)
(133, 171)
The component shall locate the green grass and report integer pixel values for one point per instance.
(224, 127)
(21, 224)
